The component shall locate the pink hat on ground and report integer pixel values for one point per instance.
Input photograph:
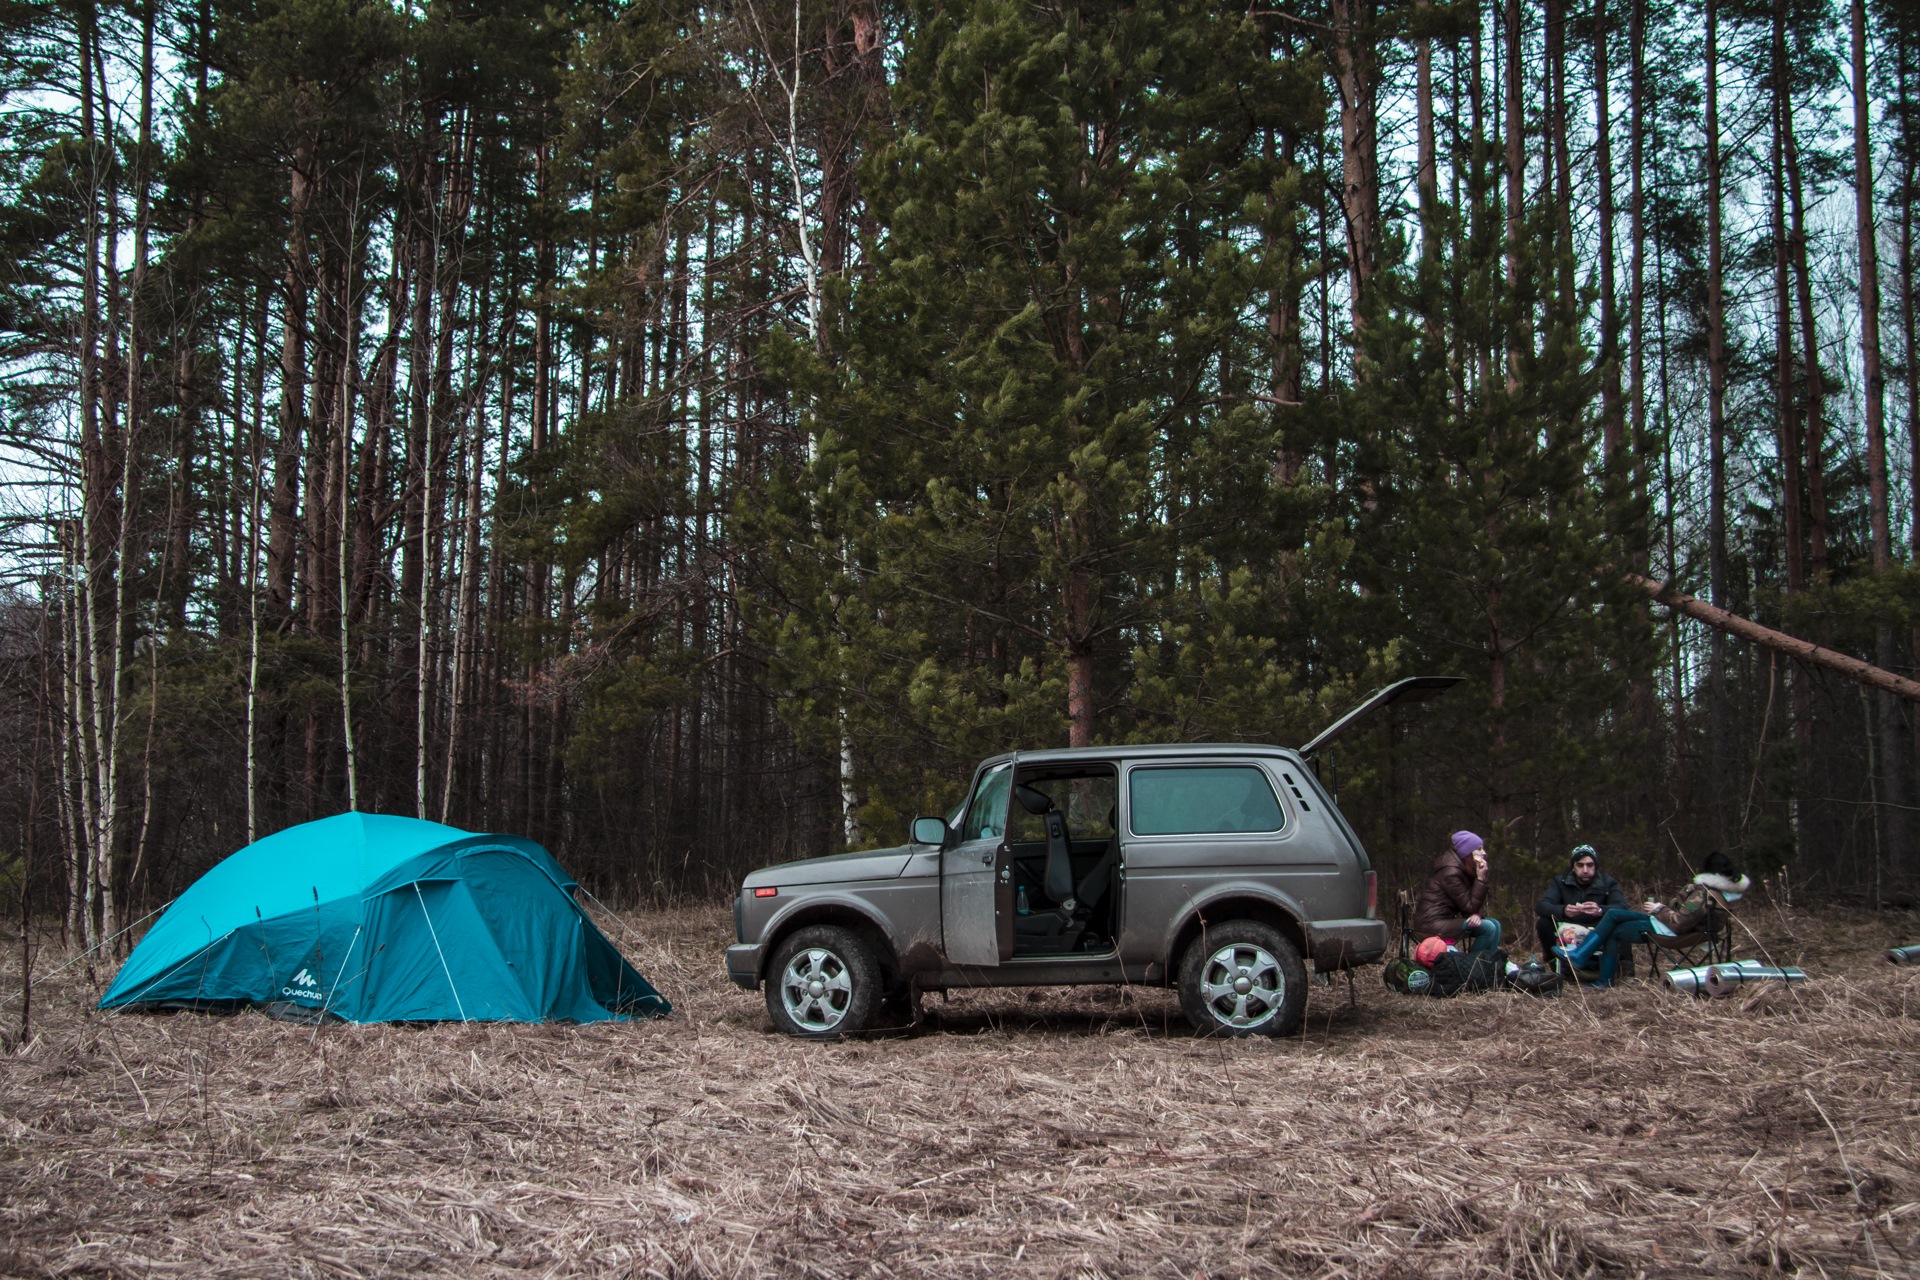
(1427, 952)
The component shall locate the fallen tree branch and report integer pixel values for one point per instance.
(1779, 641)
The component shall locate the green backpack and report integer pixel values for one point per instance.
(1406, 977)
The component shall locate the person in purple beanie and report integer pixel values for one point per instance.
(1451, 901)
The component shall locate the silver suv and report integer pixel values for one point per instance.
(1220, 869)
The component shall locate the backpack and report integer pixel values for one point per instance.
(1535, 981)
(1459, 971)
(1406, 977)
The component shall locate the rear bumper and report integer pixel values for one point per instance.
(743, 964)
(1342, 944)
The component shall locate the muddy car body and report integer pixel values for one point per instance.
(1222, 869)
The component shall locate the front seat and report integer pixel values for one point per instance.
(1097, 885)
(1062, 928)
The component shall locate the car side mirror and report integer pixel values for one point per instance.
(929, 831)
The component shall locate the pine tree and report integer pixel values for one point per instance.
(1480, 535)
(1042, 428)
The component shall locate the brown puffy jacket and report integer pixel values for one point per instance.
(1450, 895)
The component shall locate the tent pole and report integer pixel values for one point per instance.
(343, 968)
(443, 955)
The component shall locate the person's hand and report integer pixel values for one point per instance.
(1480, 864)
(1473, 922)
(1584, 909)
(1650, 906)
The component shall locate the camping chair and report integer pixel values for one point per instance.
(1711, 943)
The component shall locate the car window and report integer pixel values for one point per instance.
(1202, 800)
(987, 814)
(1086, 802)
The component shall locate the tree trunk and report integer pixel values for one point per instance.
(1779, 641)
(1792, 454)
(1359, 164)
(1716, 444)
(1814, 404)
(1081, 588)
(1560, 154)
(1637, 223)
(1516, 183)
(1426, 170)
(282, 531)
(1911, 146)
(1893, 765)
(1610, 409)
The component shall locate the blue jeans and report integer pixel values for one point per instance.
(1618, 923)
(1484, 938)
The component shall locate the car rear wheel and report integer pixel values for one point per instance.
(1242, 978)
(825, 983)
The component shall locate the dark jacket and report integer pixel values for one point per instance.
(1565, 891)
(1450, 895)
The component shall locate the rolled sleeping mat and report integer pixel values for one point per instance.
(1691, 981)
(1694, 981)
(1904, 955)
(1724, 980)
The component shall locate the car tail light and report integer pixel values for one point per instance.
(1373, 895)
(766, 893)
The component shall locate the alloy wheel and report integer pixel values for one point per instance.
(1243, 986)
(816, 990)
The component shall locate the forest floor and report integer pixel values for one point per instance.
(1052, 1133)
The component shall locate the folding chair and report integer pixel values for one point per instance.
(1711, 943)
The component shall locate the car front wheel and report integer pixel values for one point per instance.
(1242, 978)
(825, 983)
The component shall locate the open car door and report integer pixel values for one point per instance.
(976, 876)
(1412, 689)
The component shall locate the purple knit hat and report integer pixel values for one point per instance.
(1465, 842)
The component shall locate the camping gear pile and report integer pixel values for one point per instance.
(371, 918)
(1447, 971)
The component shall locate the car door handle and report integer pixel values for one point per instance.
(986, 859)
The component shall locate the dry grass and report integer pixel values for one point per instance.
(1058, 1133)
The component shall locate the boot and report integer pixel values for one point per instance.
(1582, 956)
(1609, 965)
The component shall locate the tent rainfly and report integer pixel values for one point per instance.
(371, 918)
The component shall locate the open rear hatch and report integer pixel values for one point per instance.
(1412, 689)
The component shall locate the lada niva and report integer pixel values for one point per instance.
(1221, 869)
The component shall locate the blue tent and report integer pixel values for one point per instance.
(381, 919)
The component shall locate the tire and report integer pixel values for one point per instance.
(1242, 978)
(824, 983)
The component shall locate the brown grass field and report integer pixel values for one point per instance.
(1056, 1133)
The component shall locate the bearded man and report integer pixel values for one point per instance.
(1581, 896)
